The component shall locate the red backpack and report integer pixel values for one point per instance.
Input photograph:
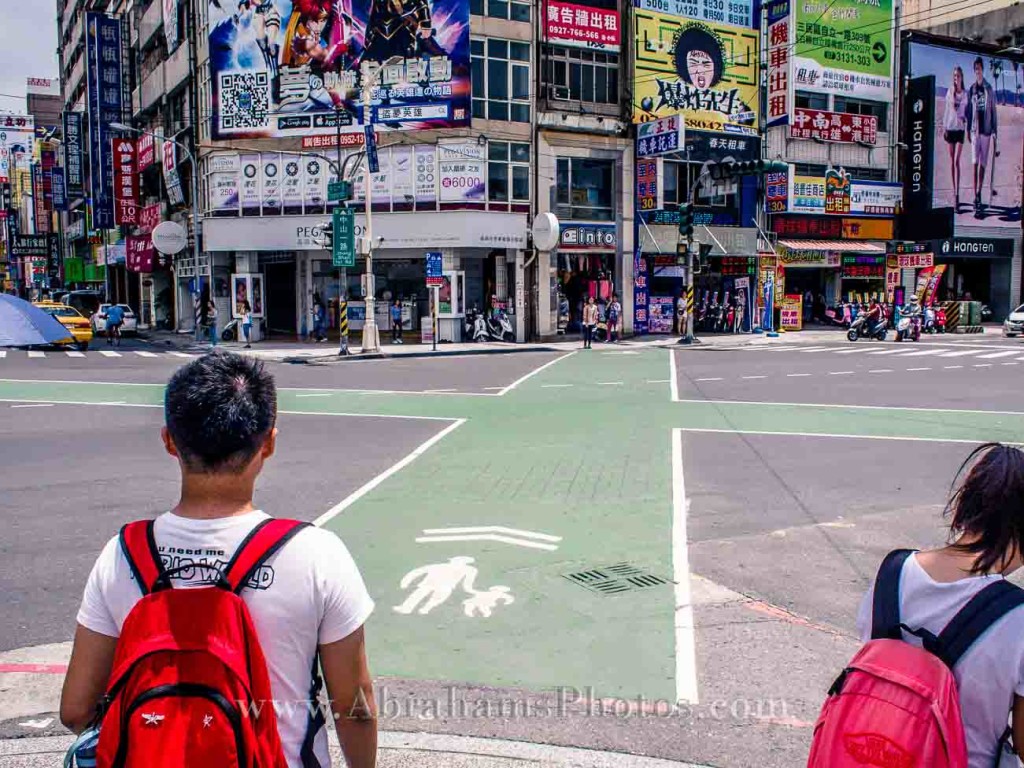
(896, 705)
(189, 684)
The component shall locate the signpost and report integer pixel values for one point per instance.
(435, 278)
(343, 250)
(371, 151)
(339, 191)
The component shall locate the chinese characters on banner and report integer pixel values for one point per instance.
(641, 296)
(776, 192)
(914, 260)
(647, 184)
(579, 26)
(145, 151)
(126, 182)
(106, 106)
(139, 253)
(149, 217)
(462, 169)
(171, 178)
(833, 126)
(17, 132)
(42, 218)
(739, 13)
(779, 58)
(73, 154)
(291, 69)
(660, 136)
(59, 187)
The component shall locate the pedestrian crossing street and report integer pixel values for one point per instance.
(895, 351)
(35, 354)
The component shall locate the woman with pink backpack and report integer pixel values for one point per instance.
(940, 679)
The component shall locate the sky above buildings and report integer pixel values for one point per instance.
(29, 49)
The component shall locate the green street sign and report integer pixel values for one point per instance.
(339, 191)
(343, 253)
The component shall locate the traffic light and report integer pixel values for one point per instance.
(686, 220)
(731, 170)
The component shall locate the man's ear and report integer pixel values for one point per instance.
(169, 445)
(269, 445)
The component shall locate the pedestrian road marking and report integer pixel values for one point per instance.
(926, 352)
(961, 353)
(918, 369)
(950, 367)
(140, 353)
(33, 353)
(881, 370)
(109, 353)
(797, 375)
(755, 377)
(3, 354)
(852, 351)
(993, 355)
(73, 353)
(495, 533)
(554, 386)
(885, 352)
(839, 373)
(812, 349)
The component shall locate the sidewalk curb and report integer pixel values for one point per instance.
(331, 359)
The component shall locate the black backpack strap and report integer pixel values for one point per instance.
(316, 720)
(885, 607)
(973, 620)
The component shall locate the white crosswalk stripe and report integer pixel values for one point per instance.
(73, 353)
(961, 353)
(852, 351)
(993, 355)
(923, 352)
(34, 353)
(140, 353)
(109, 353)
(886, 352)
(3, 354)
(181, 354)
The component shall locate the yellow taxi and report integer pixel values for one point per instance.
(70, 318)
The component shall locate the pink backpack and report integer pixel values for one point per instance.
(896, 705)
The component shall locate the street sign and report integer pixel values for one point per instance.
(169, 237)
(343, 254)
(371, 150)
(660, 137)
(435, 265)
(339, 191)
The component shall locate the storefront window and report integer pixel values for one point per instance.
(585, 188)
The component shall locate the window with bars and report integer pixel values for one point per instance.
(579, 74)
(861, 107)
(501, 80)
(806, 100)
(513, 10)
(585, 188)
(508, 175)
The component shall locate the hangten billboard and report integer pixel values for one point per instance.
(844, 47)
(286, 68)
(964, 127)
(706, 71)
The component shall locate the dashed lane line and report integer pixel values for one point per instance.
(881, 370)
(918, 369)
(142, 353)
(554, 386)
(840, 373)
(34, 353)
(109, 353)
(994, 355)
(797, 375)
(952, 367)
(983, 365)
(923, 352)
(74, 353)
(755, 377)
(715, 378)
(960, 353)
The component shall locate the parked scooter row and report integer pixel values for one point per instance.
(496, 327)
(710, 316)
(911, 322)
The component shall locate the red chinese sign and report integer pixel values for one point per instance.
(149, 217)
(139, 253)
(833, 126)
(915, 260)
(126, 182)
(146, 151)
(581, 26)
(779, 54)
(331, 140)
(647, 184)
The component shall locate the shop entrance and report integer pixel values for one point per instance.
(280, 287)
(817, 288)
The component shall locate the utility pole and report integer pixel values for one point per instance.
(342, 271)
(371, 338)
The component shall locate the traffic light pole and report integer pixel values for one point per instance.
(342, 271)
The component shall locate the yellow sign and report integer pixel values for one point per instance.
(868, 229)
(791, 313)
(707, 72)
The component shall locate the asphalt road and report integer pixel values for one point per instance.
(790, 509)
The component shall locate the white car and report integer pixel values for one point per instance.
(1014, 324)
(99, 320)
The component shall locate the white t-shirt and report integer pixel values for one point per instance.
(987, 675)
(310, 593)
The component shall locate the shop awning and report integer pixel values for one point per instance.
(844, 246)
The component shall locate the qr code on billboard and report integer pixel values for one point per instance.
(244, 101)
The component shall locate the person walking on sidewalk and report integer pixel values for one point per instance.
(396, 322)
(211, 319)
(590, 317)
(306, 598)
(614, 318)
(247, 323)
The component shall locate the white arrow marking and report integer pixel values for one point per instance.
(488, 537)
(38, 724)
(497, 533)
(493, 529)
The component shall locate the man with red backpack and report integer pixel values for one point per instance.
(201, 633)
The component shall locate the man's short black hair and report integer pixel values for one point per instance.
(979, 63)
(219, 411)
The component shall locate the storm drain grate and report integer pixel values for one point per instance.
(615, 579)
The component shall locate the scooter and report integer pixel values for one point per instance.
(859, 329)
(229, 332)
(909, 326)
(499, 327)
(476, 328)
(940, 319)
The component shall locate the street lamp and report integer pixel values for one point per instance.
(195, 189)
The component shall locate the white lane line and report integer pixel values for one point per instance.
(609, 383)
(356, 495)
(440, 391)
(555, 386)
(951, 367)
(487, 537)
(918, 369)
(34, 405)
(994, 355)
(534, 372)
(488, 389)
(839, 373)
(886, 351)
(880, 370)
(715, 378)
(841, 406)
(657, 381)
(923, 352)
(109, 353)
(74, 353)
(961, 353)
(492, 529)
(181, 354)
(812, 349)
(685, 630)
(982, 365)
(853, 351)
(34, 353)
(824, 434)
(673, 377)
(797, 375)
(754, 377)
(141, 353)
(3, 354)
(1010, 363)
(314, 394)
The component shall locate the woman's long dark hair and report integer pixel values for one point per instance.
(988, 506)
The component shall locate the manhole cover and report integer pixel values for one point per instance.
(615, 579)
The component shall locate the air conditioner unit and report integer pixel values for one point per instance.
(558, 93)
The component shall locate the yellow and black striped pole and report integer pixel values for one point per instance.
(689, 310)
(343, 325)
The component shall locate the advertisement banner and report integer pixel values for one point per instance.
(59, 187)
(249, 185)
(791, 312)
(780, 81)
(171, 24)
(126, 182)
(578, 25)
(280, 67)
(971, 121)
(462, 170)
(403, 176)
(739, 13)
(139, 253)
(271, 187)
(833, 126)
(171, 178)
(106, 105)
(844, 47)
(708, 72)
(647, 184)
(149, 217)
(837, 193)
(380, 182)
(315, 183)
(73, 154)
(145, 151)
(17, 134)
(291, 193)
(426, 173)
(42, 218)
(30, 245)
(641, 295)
(661, 136)
(776, 197)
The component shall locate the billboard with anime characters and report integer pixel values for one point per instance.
(285, 68)
(964, 126)
(706, 71)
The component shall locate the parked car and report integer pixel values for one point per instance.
(1014, 324)
(70, 318)
(99, 320)
(86, 302)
